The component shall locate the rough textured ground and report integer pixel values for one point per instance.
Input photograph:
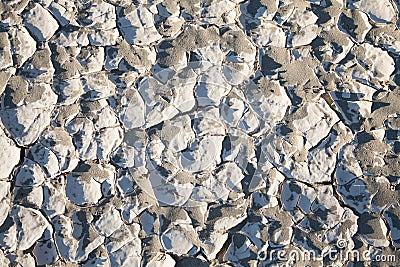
(199, 133)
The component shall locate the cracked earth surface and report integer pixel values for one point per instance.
(199, 133)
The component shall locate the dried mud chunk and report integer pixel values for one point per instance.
(376, 62)
(370, 153)
(74, 246)
(172, 53)
(137, 26)
(65, 63)
(299, 73)
(393, 218)
(3, 260)
(40, 23)
(131, 109)
(54, 199)
(379, 11)
(20, 259)
(29, 174)
(121, 236)
(5, 75)
(63, 11)
(169, 55)
(161, 259)
(332, 46)
(226, 216)
(354, 23)
(269, 34)
(219, 12)
(191, 7)
(303, 28)
(327, 11)
(196, 37)
(170, 27)
(295, 196)
(89, 191)
(108, 140)
(69, 91)
(387, 104)
(23, 45)
(84, 184)
(15, 6)
(98, 15)
(373, 230)
(71, 35)
(169, 8)
(5, 199)
(97, 86)
(386, 37)
(100, 18)
(8, 235)
(60, 143)
(129, 255)
(45, 252)
(5, 51)
(273, 60)
(107, 224)
(279, 229)
(354, 102)
(211, 87)
(385, 194)
(25, 114)
(158, 100)
(241, 251)
(237, 47)
(31, 225)
(176, 241)
(39, 67)
(269, 100)
(91, 59)
(9, 153)
(253, 12)
(125, 56)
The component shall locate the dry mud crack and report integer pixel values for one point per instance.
(199, 133)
